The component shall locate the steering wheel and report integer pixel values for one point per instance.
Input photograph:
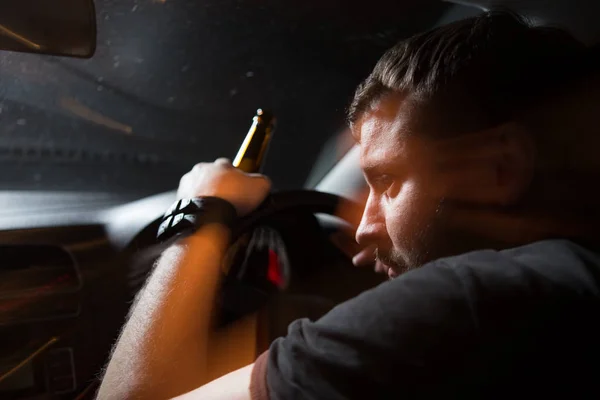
(238, 296)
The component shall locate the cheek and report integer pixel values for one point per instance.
(408, 214)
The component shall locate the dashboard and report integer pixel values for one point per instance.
(68, 277)
(63, 292)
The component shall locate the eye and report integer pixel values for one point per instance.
(382, 183)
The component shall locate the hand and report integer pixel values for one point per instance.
(221, 179)
(366, 258)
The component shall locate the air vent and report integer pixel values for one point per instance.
(37, 283)
(28, 270)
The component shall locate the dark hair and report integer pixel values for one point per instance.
(474, 73)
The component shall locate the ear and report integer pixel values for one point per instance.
(516, 168)
(492, 167)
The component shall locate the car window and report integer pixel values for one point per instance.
(173, 83)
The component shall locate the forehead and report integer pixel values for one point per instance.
(384, 130)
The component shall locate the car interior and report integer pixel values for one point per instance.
(104, 108)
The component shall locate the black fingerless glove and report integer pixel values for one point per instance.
(186, 216)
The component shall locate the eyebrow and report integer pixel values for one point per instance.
(371, 169)
(355, 135)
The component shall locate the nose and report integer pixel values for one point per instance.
(371, 229)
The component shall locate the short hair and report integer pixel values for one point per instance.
(475, 73)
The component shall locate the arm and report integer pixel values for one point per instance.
(162, 350)
(406, 338)
(233, 386)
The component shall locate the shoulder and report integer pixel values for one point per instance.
(452, 299)
(429, 324)
(451, 284)
(550, 264)
(542, 284)
(411, 326)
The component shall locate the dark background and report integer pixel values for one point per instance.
(177, 82)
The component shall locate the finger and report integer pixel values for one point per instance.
(259, 176)
(379, 268)
(198, 166)
(264, 178)
(364, 258)
(183, 180)
(223, 161)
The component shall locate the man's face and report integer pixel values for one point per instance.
(418, 188)
(430, 198)
(403, 208)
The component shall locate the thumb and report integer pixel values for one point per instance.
(364, 257)
(265, 179)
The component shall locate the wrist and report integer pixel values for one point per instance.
(187, 216)
(214, 238)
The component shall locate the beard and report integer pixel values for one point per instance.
(441, 235)
(434, 239)
(411, 256)
(415, 250)
(394, 260)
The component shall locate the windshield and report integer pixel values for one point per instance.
(174, 83)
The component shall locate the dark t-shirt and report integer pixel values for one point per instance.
(487, 324)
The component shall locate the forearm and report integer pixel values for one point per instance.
(162, 349)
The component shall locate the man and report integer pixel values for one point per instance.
(477, 143)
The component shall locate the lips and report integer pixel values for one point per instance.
(384, 260)
(391, 273)
(365, 257)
